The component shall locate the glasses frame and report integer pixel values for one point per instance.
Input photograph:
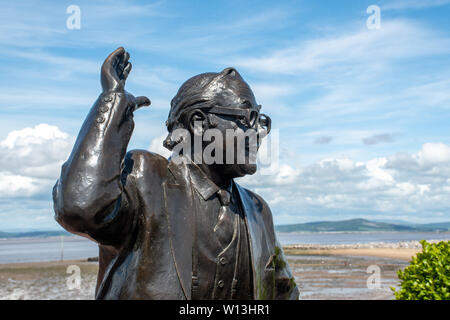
(264, 120)
(261, 118)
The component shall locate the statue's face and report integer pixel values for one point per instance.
(220, 109)
(239, 128)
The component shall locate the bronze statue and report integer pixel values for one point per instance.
(171, 229)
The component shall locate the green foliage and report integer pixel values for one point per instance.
(428, 275)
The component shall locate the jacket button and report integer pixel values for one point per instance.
(223, 260)
(220, 283)
(100, 119)
(104, 108)
(107, 99)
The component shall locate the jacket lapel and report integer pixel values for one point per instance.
(178, 199)
(178, 204)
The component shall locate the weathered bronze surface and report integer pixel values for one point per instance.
(165, 229)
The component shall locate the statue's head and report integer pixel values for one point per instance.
(209, 108)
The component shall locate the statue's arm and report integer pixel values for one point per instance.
(93, 196)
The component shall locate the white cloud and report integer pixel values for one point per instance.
(375, 169)
(434, 153)
(413, 184)
(20, 186)
(31, 158)
(286, 175)
(156, 146)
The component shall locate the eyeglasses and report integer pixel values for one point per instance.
(251, 116)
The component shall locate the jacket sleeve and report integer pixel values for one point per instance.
(93, 196)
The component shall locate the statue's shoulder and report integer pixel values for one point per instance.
(141, 163)
(261, 206)
(256, 198)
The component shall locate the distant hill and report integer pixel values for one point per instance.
(359, 225)
(353, 225)
(33, 234)
(445, 225)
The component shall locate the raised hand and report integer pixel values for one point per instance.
(115, 70)
(114, 73)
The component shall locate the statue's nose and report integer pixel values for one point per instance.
(168, 143)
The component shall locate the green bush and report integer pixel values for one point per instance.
(428, 275)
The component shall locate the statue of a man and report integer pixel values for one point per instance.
(171, 229)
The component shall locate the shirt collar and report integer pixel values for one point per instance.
(204, 186)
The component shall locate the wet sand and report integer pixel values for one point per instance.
(47, 280)
(345, 277)
(391, 253)
(321, 273)
(344, 272)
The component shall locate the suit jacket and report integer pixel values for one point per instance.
(138, 206)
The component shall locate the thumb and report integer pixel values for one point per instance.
(142, 101)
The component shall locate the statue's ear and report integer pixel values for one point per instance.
(197, 122)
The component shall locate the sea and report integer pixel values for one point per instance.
(18, 250)
(336, 238)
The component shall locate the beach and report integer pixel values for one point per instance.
(400, 254)
(339, 267)
(400, 250)
(47, 280)
(342, 272)
(321, 272)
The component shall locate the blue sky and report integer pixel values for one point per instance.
(362, 113)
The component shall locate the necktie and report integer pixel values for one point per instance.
(224, 226)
